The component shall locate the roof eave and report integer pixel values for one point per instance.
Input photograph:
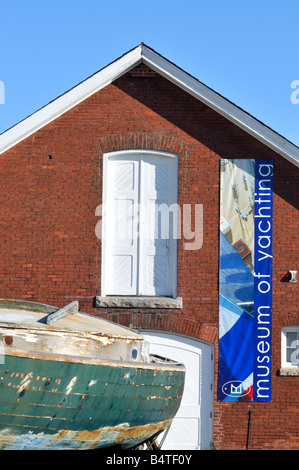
(170, 71)
(68, 100)
(221, 105)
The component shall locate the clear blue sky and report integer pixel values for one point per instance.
(247, 50)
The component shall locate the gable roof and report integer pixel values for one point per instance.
(146, 55)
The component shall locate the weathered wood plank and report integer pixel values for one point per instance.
(69, 309)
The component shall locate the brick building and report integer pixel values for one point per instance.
(62, 169)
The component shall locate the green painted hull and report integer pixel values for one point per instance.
(62, 404)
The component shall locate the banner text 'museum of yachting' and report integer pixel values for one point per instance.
(263, 280)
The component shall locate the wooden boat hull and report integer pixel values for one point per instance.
(72, 381)
(59, 404)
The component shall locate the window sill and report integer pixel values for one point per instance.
(139, 302)
(289, 371)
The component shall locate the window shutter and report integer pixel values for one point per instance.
(158, 217)
(122, 226)
(139, 245)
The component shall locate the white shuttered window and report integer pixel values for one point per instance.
(139, 224)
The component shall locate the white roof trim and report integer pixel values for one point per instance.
(224, 107)
(171, 72)
(68, 100)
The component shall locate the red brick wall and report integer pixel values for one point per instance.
(52, 183)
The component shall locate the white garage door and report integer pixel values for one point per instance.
(192, 428)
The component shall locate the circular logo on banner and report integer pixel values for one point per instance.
(234, 388)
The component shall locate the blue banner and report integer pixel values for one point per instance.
(245, 280)
(263, 280)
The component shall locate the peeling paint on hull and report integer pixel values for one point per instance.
(57, 394)
(60, 405)
(63, 405)
(124, 435)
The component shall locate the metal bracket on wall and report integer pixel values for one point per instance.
(293, 276)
